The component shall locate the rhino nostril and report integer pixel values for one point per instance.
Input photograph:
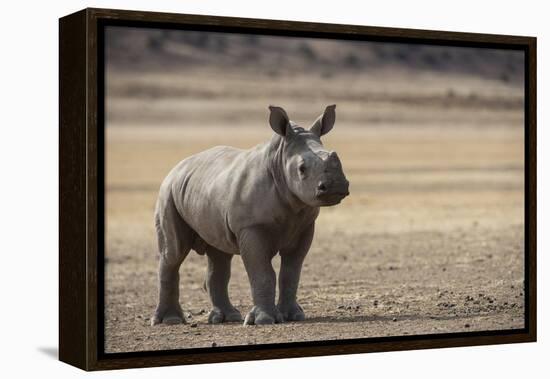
(321, 187)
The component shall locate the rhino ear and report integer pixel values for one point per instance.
(324, 122)
(279, 121)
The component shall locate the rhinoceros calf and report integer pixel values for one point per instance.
(256, 203)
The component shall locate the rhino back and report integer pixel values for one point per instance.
(208, 188)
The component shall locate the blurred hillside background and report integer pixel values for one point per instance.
(171, 49)
(173, 76)
(430, 138)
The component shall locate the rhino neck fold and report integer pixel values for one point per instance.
(275, 166)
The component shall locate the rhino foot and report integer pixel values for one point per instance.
(168, 316)
(293, 312)
(217, 316)
(260, 316)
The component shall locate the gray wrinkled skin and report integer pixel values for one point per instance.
(255, 203)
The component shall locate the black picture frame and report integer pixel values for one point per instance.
(81, 186)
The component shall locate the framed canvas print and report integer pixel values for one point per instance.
(238, 189)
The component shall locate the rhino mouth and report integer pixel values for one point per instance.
(330, 203)
(332, 199)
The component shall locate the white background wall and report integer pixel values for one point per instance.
(28, 199)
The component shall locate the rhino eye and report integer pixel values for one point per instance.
(302, 169)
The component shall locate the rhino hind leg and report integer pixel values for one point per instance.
(216, 283)
(174, 241)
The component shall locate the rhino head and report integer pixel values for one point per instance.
(312, 173)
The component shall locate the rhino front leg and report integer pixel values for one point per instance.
(257, 251)
(217, 280)
(289, 277)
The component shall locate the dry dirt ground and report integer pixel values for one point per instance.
(431, 239)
